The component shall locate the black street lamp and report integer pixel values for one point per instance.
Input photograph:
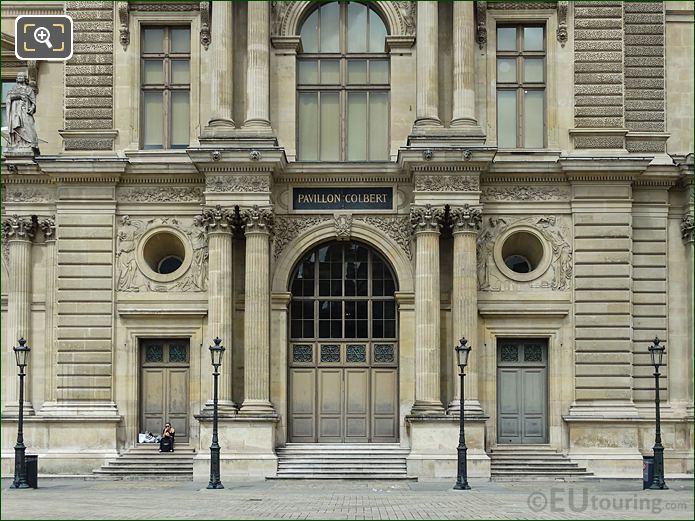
(21, 353)
(216, 353)
(462, 352)
(657, 354)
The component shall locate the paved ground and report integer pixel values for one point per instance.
(612, 499)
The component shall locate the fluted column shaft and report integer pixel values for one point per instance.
(425, 223)
(464, 65)
(257, 313)
(50, 360)
(220, 302)
(257, 75)
(19, 232)
(427, 76)
(465, 222)
(219, 57)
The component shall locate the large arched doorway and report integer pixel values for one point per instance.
(343, 352)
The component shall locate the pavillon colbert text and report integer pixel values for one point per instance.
(342, 198)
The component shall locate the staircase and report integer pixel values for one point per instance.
(342, 461)
(144, 461)
(519, 462)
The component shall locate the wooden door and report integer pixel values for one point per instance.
(343, 352)
(164, 395)
(522, 391)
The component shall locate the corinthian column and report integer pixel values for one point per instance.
(19, 232)
(48, 228)
(464, 302)
(427, 54)
(426, 222)
(219, 224)
(258, 223)
(257, 71)
(464, 65)
(220, 60)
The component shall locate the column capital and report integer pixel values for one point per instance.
(217, 220)
(426, 218)
(19, 228)
(257, 219)
(465, 219)
(687, 225)
(48, 227)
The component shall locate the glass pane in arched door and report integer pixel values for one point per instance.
(343, 352)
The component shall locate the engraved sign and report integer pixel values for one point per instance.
(340, 198)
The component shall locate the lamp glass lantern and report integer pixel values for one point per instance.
(216, 352)
(21, 353)
(462, 352)
(656, 351)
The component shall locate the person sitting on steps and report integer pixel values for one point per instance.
(166, 444)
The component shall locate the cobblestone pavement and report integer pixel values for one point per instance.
(610, 499)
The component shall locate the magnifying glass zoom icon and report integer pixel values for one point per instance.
(42, 35)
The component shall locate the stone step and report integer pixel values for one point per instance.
(342, 463)
(143, 472)
(524, 446)
(140, 466)
(348, 468)
(341, 453)
(536, 468)
(370, 476)
(539, 472)
(531, 462)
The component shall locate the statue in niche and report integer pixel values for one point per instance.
(21, 106)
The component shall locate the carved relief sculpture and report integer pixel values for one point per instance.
(129, 276)
(446, 183)
(291, 227)
(21, 106)
(343, 227)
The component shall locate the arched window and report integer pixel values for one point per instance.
(343, 85)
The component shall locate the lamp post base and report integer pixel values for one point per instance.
(215, 485)
(462, 486)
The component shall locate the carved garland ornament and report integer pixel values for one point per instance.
(131, 279)
(26, 195)
(157, 194)
(291, 228)
(446, 183)
(524, 193)
(238, 183)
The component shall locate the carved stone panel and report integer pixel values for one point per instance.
(553, 230)
(129, 276)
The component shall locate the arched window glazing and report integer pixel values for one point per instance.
(343, 85)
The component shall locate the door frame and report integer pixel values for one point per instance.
(141, 385)
(168, 323)
(546, 376)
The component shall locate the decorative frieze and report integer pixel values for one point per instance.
(426, 218)
(446, 183)
(465, 218)
(481, 23)
(26, 195)
(161, 194)
(257, 219)
(397, 228)
(238, 183)
(525, 193)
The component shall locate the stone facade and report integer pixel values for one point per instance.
(602, 215)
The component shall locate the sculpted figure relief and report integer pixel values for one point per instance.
(21, 106)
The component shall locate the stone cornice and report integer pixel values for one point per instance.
(228, 160)
(81, 169)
